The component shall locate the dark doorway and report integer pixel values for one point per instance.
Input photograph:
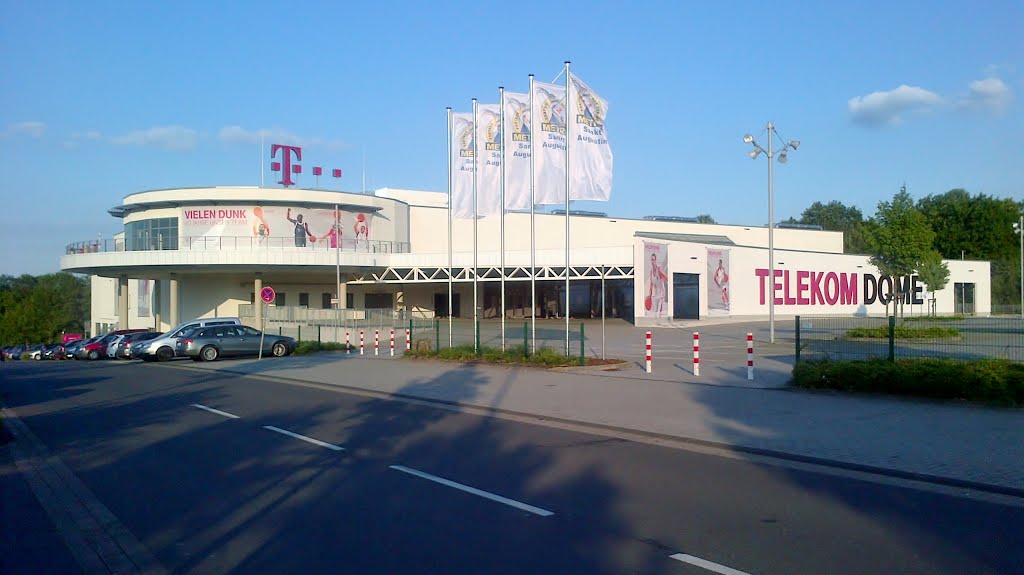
(441, 305)
(379, 301)
(686, 296)
(963, 298)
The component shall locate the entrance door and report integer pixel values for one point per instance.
(963, 299)
(441, 305)
(686, 296)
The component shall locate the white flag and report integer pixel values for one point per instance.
(548, 138)
(590, 156)
(462, 164)
(488, 165)
(517, 151)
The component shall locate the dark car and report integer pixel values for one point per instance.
(97, 347)
(52, 351)
(210, 343)
(124, 347)
(71, 348)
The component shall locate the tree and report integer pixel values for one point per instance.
(837, 217)
(901, 239)
(934, 273)
(706, 219)
(39, 309)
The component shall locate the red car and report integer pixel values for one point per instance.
(98, 349)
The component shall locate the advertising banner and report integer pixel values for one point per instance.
(718, 282)
(275, 226)
(517, 151)
(462, 164)
(144, 296)
(488, 136)
(549, 125)
(656, 280)
(590, 155)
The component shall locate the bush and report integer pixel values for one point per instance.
(304, 347)
(903, 332)
(995, 381)
(544, 356)
(935, 318)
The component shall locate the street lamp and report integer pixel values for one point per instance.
(1018, 228)
(770, 152)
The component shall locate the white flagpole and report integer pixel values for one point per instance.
(261, 160)
(533, 234)
(450, 344)
(337, 273)
(476, 305)
(501, 107)
(568, 136)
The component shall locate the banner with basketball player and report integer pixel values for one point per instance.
(239, 227)
(656, 280)
(548, 138)
(590, 155)
(488, 165)
(517, 151)
(462, 164)
(718, 282)
(143, 297)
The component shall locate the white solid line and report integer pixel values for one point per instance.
(304, 438)
(706, 564)
(474, 491)
(217, 411)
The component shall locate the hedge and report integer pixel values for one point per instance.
(544, 356)
(903, 332)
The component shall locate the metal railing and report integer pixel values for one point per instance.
(955, 337)
(241, 243)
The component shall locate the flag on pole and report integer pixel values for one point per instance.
(517, 151)
(548, 135)
(590, 155)
(462, 165)
(488, 184)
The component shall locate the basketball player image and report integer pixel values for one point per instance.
(260, 229)
(362, 230)
(301, 230)
(722, 282)
(335, 232)
(657, 292)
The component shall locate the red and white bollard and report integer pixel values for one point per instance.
(648, 352)
(696, 353)
(348, 346)
(408, 341)
(360, 342)
(750, 356)
(376, 342)
(392, 343)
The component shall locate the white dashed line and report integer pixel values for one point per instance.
(304, 438)
(217, 411)
(474, 491)
(707, 564)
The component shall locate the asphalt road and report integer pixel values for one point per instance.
(398, 487)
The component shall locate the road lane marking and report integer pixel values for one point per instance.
(706, 564)
(217, 411)
(474, 491)
(330, 446)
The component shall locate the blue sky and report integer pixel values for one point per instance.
(103, 99)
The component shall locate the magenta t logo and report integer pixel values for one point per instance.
(286, 159)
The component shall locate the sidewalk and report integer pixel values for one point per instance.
(959, 443)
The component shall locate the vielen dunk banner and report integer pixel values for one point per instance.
(277, 226)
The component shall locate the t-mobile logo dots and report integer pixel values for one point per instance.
(287, 167)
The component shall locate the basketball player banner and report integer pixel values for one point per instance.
(656, 280)
(718, 282)
(276, 226)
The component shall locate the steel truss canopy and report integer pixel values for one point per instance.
(493, 273)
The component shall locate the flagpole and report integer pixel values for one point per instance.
(261, 160)
(568, 136)
(476, 306)
(501, 107)
(449, 227)
(337, 273)
(533, 235)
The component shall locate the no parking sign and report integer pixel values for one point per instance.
(268, 294)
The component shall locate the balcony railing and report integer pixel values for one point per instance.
(242, 243)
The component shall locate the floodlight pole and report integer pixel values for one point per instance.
(1018, 229)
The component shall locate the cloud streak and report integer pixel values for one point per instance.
(238, 135)
(174, 138)
(882, 108)
(32, 129)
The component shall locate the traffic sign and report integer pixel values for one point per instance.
(268, 294)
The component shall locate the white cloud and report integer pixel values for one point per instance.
(240, 135)
(34, 130)
(878, 108)
(90, 135)
(164, 137)
(989, 95)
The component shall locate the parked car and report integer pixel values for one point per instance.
(165, 347)
(124, 347)
(52, 351)
(35, 352)
(98, 349)
(211, 343)
(112, 346)
(71, 348)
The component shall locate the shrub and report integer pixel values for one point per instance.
(903, 332)
(304, 347)
(935, 318)
(515, 354)
(990, 380)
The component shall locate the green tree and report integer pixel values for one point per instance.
(39, 309)
(706, 219)
(901, 239)
(934, 273)
(838, 217)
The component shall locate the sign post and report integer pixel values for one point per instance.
(267, 296)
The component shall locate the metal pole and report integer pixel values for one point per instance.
(501, 100)
(771, 241)
(449, 230)
(568, 136)
(476, 305)
(337, 271)
(533, 235)
(602, 312)
(1020, 232)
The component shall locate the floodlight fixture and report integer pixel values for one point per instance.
(782, 156)
(754, 153)
(794, 144)
(748, 139)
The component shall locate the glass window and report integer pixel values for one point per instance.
(325, 301)
(303, 300)
(246, 330)
(154, 234)
(280, 299)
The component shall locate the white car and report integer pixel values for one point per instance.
(112, 346)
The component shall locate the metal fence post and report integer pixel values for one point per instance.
(300, 334)
(583, 357)
(526, 345)
(437, 335)
(797, 359)
(318, 340)
(892, 338)
(408, 336)
(478, 350)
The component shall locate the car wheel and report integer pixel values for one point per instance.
(164, 354)
(94, 355)
(279, 350)
(209, 353)
(38, 357)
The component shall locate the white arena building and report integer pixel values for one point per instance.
(205, 252)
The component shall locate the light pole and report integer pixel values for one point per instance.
(770, 152)
(1018, 228)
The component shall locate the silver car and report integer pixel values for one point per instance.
(165, 347)
(210, 343)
